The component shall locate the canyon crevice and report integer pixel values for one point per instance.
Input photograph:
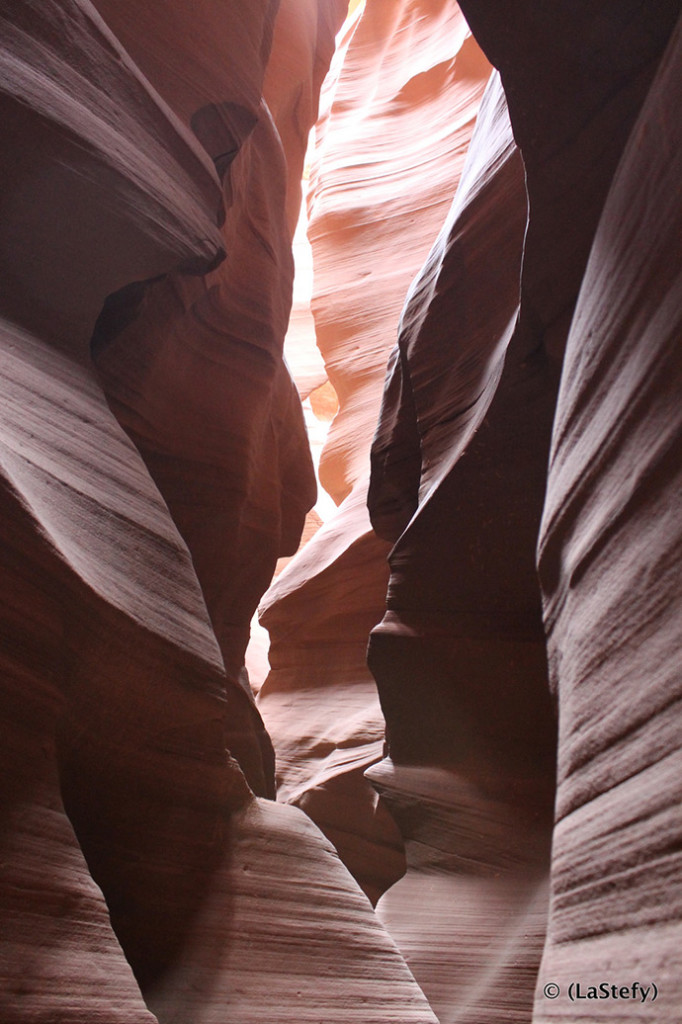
(454, 793)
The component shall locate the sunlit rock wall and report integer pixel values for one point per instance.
(142, 880)
(398, 112)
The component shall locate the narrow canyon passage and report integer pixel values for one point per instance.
(445, 787)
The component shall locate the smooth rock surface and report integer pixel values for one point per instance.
(610, 567)
(237, 475)
(465, 613)
(326, 958)
(319, 701)
(472, 861)
(95, 570)
(150, 172)
(84, 131)
(575, 78)
(402, 71)
(119, 719)
(458, 481)
(408, 70)
(461, 453)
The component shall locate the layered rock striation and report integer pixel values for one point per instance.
(137, 861)
(461, 454)
(237, 474)
(458, 480)
(610, 569)
(525, 486)
(405, 71)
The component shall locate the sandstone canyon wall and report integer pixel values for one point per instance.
(146, 214)
(461, 454)
(504, 783)
(459, 656)
(398, 112)
(610, 553)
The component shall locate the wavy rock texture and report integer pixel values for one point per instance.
(118, 715)
(382, 98)
(237, 475)
(303, 48)
(461, 455)
(375, 206)
(470, 913)
(319, 701)
(95, 570)
(83, 130)
(142, 878)
(610, 566)
(88, 549)
(459, 657)
(321, 955)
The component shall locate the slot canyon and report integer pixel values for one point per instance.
(341, 512)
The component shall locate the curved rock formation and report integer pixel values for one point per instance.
(459, 657)
(403, 71)
(319, 701)
(88, 549)
(85, 131)
(410, 71)
(151, 171)
(118, 715)
(470, 913)
(237, 475)
(461, 455)
(575, 79)
(610, 566)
